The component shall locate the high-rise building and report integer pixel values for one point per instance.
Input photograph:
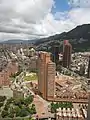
(51, 79)
(46, 75)
(55, 54)
(64, 43)
(67, 55)
(82, 69)
(88, 68)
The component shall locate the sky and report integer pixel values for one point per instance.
(32, 19)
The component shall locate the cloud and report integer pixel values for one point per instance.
(30, 19)
(22, 17)
(80, 3)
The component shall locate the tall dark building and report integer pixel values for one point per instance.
(82, 69)
(88, 68)
(55, 54)
(67, 54)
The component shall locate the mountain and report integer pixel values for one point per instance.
(79, 37)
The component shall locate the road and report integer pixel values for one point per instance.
(42, 107)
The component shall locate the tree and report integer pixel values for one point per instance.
(17, 111)
(33, 109)
(6, 107)
(2, 98)
(1, 104)
(11, 112)
(17, 102)
(4, 113)
(10, 100)
(29, 99)
(24, 112)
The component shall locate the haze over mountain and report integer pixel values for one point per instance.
(18, 41)
(79, 38)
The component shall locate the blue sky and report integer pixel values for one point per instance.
(31, 19)
(61, 6)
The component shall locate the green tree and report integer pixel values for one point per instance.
(4, 113)
(6, 107)
(29, 99)
(2, 98)
(33, 109)
(24, 112)
(1, 104)
(17, 111)
(10, 100)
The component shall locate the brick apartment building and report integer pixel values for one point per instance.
(5, 74)
(46, 75)
(67, 50)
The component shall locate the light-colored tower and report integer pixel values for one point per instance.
(51, 72)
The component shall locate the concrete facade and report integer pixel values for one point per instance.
(51, 79)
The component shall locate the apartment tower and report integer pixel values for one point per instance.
(46, 75)
(67, 50)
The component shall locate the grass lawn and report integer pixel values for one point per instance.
(31, 77)
(55, 106)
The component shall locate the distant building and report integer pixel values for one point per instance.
(55, 54)
(82, 69)
(5, 73)
(67, 54)
(46, 75)
(88, 68)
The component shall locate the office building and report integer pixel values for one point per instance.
(82, 69)
(67, 54)
(55, 54)
(51, 79)
(46, 75)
